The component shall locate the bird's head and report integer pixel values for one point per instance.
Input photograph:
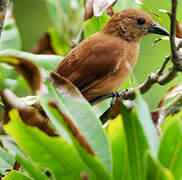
(133, 24)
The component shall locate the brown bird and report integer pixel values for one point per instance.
(98, 65)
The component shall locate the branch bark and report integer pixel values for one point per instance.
(3, 9)
(173, 31)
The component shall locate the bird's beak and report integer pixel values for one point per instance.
(157, 29)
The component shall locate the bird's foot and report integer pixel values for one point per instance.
(114, 96)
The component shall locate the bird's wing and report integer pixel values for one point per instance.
(90, 62)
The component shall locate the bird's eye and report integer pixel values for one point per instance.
(140, 21)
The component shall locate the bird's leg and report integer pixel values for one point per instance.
(113, 95)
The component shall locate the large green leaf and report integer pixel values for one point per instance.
(85, 119)
(119, 149)
(148, 127)
(95, 164)
(91, 160)
(170, 151)
(31, 168)
(47, 62)
(15, 175)
(53, 153)
(155, 170)
(136, 142)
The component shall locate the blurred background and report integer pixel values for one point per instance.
(32, 19)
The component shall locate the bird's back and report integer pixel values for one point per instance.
(93, 61)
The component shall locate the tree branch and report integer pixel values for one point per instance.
(173, 31)
(3, 9)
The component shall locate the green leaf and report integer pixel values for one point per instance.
(136, 142)
(82, 115)
(46, 62)
(91, 160)
(100, 108)
(119, 149)
(94, 163)
(6, 161)
(7, 76)
(53, 153)
(10, 37)
(15, 175)
(169, 120)
(155, 170)
(67, 16)
(11, 147)
(31, 168)
(54, 117)
(59, 45)
(27, 68)
(95, 24)
(149, 129)
(20, 88)
(170, 151)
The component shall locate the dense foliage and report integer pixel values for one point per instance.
(57, 134)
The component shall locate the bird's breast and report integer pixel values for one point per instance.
(126, 64)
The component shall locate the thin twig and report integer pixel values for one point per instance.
(167, 59)
(3, 9)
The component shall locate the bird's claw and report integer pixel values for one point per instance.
(115, 95)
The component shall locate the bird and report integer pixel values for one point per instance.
(99, 64)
